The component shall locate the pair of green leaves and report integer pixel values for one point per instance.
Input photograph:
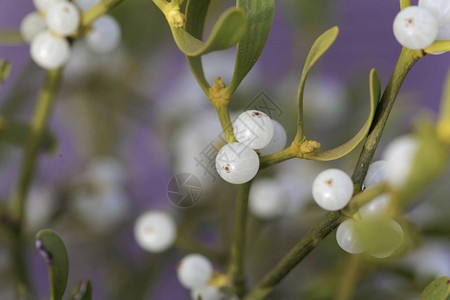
(247, 25)
(319, 48)
(54, 252)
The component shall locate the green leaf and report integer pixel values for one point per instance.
(17, 134)
(54, 252)
(375, 94)
(229, 29)
(437, 290)
(320, 46)
(438, 47)
(405, 3)
(10, 37)
(443, 126)
(83, 291)
(5, 69)
(259, 23)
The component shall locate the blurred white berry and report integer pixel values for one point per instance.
(397, 229)
(155, 231)
(348, 239)
(267, 199)
(194, 271)
(375, 174)
(376, 209)
(44, 5)
(237, 163)
(207, 293)
(439, 8)
(253, 129)
(399, 155)
(63, 18)
(415, 27)
(86, 4)
(332, 189)
(40, 206)
(49, 51)
(32, 25)
(278, 141)
(105, 172)
(105, 35)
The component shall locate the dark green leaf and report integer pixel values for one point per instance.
(17, 134)
(54, 252)
(10, 38)
(375, 94)
(83, 291)
(437, 290)
(259, 23)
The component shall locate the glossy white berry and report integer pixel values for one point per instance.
(267, 199)
(377, 208)
(49, 51)
(415, 27)
(444, 33)
(237, 163)
(332, 189)
(399, 155)
(278, 141)
(44, 5)
(375, 174)
(105, 35)
(398, 231)
(63, 18)
(439, 8)
(32, 25)
(194, 271)
(348, 239)
(155, 231)
(207, 292)
(86, 4)
(254, 129)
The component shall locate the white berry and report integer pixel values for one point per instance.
(278, 141)
(207, 293)
(105, 172)
(399, 155)
(398, 231)
(86, 4)
(254, 129)
(49, 51)
(237, 163)
(44, 5)
(348, 239)
(267, 199)
(376, 209)
(105, 35)
(194, 271)
(444, 33)
(439, 8)
(32, 25)
(415, 27)
(375, 174)
(155, 231)
(332, 189)
(63, 18)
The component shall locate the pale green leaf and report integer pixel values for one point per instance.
(375, 94)
(229, 29)
(320, 46)
(54, 252)
(405, 3)
(438, 47)
(83, 291)
(259, 23)
(10, 37)
(437, 290)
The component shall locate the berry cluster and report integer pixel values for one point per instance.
(48, 31)
(238, 163)
(417, 27)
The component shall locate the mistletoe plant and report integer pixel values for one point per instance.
(365, 208)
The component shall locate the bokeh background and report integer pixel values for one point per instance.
(139, 114)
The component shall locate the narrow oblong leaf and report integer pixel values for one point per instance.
(438, 47)
(437, 290)
(405, 3)
(5, 69)
(83, 291)
(375, 95)
(10, 37)
(229, 29)
(17, 134)
(53, 250)
(259, 23)
(320, 46)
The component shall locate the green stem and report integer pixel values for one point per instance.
(236, 266)
(225, 121)
(349, 278)
(331, 220)
(278, 157)
(98, 10)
